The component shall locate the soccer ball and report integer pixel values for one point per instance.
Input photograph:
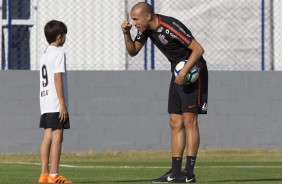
(191, 76)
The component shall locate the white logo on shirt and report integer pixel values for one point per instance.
(160, 29)
(167, 31)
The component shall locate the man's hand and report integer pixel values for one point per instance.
(180, 78)
(63, 114)
(126, 26)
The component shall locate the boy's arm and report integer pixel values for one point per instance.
(63, 114)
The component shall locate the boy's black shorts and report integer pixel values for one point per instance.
(189, 98)
(51, 120)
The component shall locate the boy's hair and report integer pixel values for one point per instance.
(53, 29)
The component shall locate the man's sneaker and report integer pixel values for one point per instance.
(188, 177)
(177, 179)
(182, 179)
(164, 178)
(43, 178)
(58, 179)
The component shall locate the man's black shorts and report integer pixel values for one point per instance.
(189, 98)
(51, 120)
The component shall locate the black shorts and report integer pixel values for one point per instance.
(51, 120)
(190, 98)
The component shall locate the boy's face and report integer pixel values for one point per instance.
(61, 39)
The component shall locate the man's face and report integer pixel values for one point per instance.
(140, 20)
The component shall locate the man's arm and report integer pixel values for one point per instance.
(196, 53)
(132, 47)
(63, 114)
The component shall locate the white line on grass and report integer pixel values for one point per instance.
(144, 167)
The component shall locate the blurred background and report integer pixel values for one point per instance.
(120, 103)
(236, 35)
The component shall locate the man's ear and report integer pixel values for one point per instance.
(149, 16)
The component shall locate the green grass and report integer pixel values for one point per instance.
(213, 166)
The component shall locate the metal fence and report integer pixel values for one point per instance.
(236, 34)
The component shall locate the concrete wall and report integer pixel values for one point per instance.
(127, 110)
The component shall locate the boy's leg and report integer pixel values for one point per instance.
(55, 154)
(45, 150)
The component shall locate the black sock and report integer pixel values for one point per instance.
(190, 163)
(176, 165)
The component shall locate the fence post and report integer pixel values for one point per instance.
(152, 44)
(146, 52)
(9, 34)
(272, 66)
(126, 14)
(262, 34)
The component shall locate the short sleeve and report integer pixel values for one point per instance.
(141, 37)
(60, 63)
(181, 33)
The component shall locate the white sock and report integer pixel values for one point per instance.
(53, 175)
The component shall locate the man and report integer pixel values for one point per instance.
(185, 102)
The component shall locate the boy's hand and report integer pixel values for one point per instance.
(63, 114)
(126, 26)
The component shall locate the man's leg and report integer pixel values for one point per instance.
(57, 138)
(192, 140)
(177, 142)
(45, 150)
(177, 135)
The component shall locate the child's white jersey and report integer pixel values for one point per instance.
(52, 61)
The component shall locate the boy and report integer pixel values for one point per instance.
(53, 102)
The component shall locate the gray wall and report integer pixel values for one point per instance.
(127, 110)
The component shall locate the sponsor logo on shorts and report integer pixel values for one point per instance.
(205, 107)
(191, 106)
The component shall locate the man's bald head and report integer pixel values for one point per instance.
(143, 7)
(143, 17)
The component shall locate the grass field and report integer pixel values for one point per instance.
(139, 167)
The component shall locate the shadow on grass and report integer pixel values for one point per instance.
(132, 181)
(125, 181)
(251, 180)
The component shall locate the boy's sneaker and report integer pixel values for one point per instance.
(164, 178)
(58, 179)
(43, 178)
